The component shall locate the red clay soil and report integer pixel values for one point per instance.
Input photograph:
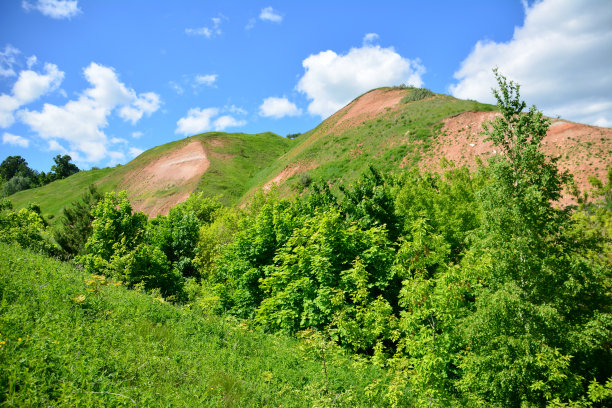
(179, 170)
(583, 150)
(287, 172)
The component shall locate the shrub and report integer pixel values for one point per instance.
(416, 94)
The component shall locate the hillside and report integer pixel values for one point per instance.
(385, 129)
(224, 164)
(389, 128)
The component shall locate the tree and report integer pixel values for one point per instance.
(75, 225)
(11, 166)
(62, 167)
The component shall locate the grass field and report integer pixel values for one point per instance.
(70, 339)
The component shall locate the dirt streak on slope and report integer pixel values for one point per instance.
(582, 149)
(167, 180)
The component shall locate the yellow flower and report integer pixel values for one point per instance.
(19, 339)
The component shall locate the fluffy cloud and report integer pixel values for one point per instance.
(278, 108)
(7, 61)
(370, 38)
(560, 56)
(57, 9)
(80, 122)
(332, 80)
(30, 86)
(208, 80)
(135, 151)
(203, 120)
(269, 14)
(15, 140)
(208, 32)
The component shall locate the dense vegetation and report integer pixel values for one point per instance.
(16, 175)
(462, 289)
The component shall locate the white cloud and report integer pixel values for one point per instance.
(31, 61)
(202, 120)
(197, 121)
(145, 104)
(370, 38)
(55, 146)
(29, 86)
(278, 108)
(235, 109)
(560, 56)
(135, 151)
(80, 122)
(269, 14)
(15, 140)
(137, 135)
(227, 121)
(208, 80)
(208, 32)
(332, 80)
(7, 61)
(32, 85)
(250, 24)
(57, 9)
(177, 88)
(8, 105)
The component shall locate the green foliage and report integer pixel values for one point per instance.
(75, 226)
(416, 94)
(25, 227)
(176, 235)
(70, 339)
(117, 248)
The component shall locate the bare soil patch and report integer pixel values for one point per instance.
(582, 149)
(177, 173)
(287, 172)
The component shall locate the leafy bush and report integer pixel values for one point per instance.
(117, 248)
(416, 94)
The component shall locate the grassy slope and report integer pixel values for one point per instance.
(387, 141)
(235, 160)
(67, 340)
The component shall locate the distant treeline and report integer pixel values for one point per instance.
(16, 175)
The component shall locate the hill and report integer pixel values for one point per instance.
(224, 164)
(392, 129)
(389, 128)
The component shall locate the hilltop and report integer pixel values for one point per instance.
(219, 164)
(389, 128)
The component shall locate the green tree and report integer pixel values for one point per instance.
(117, 248)
(75, 227)
(62, 167)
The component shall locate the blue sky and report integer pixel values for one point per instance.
(103, 80)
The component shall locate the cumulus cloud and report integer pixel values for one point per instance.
(29, 86)
(269, 14)
(332, 80)
(278, 108)
(8, 60)
(80, 122)
(208, 80)
(202, 120)
(560, 56)
(57, 9)
(370, 38)
(15, 140)
(208, 32)
(135, 151)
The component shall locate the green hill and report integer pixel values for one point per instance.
(389, 128)
(218, 164)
